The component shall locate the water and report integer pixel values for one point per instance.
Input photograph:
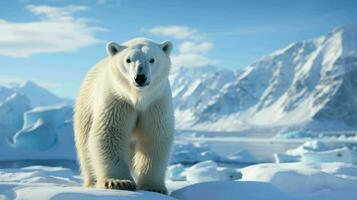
(262, 146)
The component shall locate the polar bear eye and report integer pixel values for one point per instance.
(128, 60)
(152, 60)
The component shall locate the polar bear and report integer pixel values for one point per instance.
(123, 121)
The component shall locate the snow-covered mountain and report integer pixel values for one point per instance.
(310, 83)
(37, 95)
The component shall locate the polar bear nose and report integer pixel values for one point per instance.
(140, 79)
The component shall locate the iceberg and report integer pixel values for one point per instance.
(40, 127)
(12, 110)
(315, 152)
(192, 153)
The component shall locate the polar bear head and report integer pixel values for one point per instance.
(141, 62)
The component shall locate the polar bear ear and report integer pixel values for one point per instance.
(114, 48)
(166, 47)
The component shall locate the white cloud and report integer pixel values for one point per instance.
(57, 31)
(178, 32)
(112, 2)
(193, 47)
(191, 60)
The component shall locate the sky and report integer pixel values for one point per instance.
(55, 42)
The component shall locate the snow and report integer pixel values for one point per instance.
(203, 172)
(307, 181)
(230, 190)
(295, 181)
(39, 182)
(176, 172)
(336, 155)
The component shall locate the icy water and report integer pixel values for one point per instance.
(262, 145)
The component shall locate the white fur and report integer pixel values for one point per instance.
(121, 129)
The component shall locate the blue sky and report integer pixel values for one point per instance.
(55, 42)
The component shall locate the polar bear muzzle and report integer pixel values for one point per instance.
(140, 80)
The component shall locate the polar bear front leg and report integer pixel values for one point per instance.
(153, 147)
(109, 147)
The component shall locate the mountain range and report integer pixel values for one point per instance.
(310, 84)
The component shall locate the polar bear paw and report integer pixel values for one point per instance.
(161, 191)
(118, 184)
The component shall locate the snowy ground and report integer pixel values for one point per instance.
(204, 165)
(263, 181)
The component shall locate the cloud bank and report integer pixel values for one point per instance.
(57, 30)
(192, 48)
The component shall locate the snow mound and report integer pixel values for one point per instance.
(176, 172)
(230, 190)
(307, 181)
(202, 172)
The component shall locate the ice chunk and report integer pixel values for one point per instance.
(336, 155)
(285, 158)
(192, 153)
(316, 151)
(309, 146)
(175, 172)
(297, 134)
(203, 172)
(241, 156)
(228, 173)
